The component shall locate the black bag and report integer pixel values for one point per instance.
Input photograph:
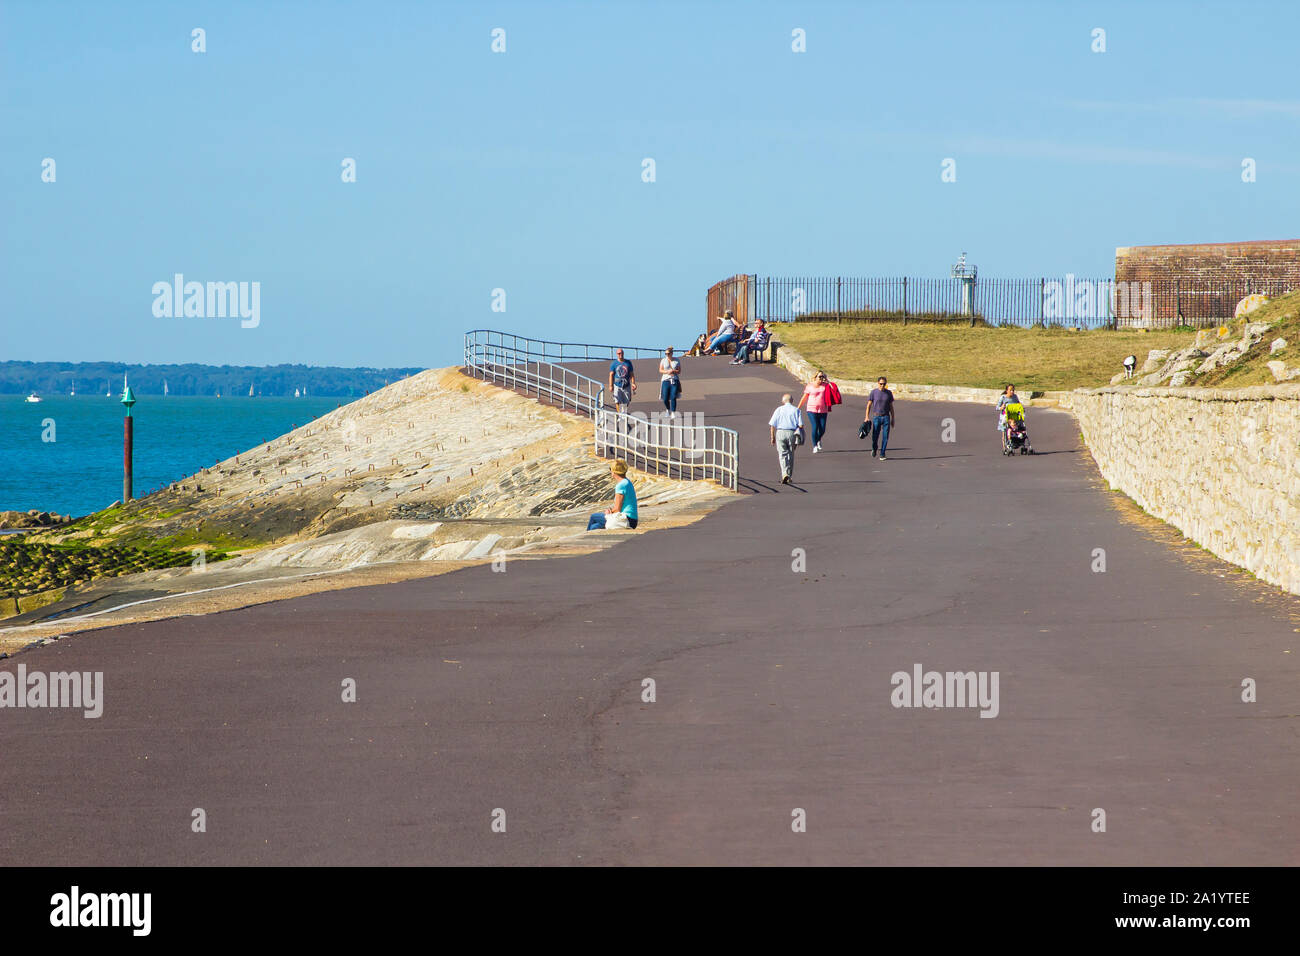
(864, 430)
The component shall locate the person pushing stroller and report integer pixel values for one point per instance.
(1013, 434)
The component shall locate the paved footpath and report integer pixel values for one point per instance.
(523, 690)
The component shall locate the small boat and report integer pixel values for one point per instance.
(250, 391)
(165, 392)
(33, 398)
(297, 394)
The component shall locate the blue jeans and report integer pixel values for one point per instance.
(879, 433)
(720, 341)
(597, 522)
(668, 392)
(818, 420)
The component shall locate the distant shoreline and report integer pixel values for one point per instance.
(193, 379)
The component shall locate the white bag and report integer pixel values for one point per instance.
(616, 520)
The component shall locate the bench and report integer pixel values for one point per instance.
(772, 346)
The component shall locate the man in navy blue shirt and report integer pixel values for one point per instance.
(622, 381)
(880, 413)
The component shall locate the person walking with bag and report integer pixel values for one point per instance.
(670, 381)
(880, 414)
(786, 425)
(820, 394)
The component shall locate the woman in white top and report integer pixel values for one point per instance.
(726, 333)
(670, 380)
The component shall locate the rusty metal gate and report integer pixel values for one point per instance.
(730, 294)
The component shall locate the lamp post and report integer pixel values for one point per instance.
(128, 439)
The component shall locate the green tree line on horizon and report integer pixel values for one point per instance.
(97, 378)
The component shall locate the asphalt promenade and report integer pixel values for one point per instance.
(522, 691)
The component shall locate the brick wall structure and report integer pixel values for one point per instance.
(1205, 280)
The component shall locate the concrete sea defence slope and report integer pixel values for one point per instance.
(420, 477)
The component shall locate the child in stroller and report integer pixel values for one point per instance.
(1015, 436)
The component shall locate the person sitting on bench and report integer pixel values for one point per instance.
(726, 333)
(757, 342)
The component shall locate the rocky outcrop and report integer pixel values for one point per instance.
(1208, 351)
(1281, 373)
(10, 520)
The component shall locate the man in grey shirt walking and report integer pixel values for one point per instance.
(786, 423)
(880, 416)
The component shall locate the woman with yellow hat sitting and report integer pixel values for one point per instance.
(623, 514)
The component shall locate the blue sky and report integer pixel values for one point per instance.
(522, 170)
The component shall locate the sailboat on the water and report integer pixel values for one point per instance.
(166, 391)
(297, 394)
(250, 391)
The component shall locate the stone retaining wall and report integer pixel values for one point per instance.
(803, 370)
(1220, 465)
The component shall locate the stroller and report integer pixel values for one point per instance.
(1015, 436)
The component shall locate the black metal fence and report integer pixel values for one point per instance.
(1065, 302)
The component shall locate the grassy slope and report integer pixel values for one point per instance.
(983, 357)
(1034, 359)
(1252, 369)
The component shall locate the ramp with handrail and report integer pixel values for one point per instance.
(678, 447)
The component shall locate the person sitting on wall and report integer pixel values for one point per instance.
(755, 343)
(726, 334)
(623, 514)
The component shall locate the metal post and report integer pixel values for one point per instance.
(128, 441)
(127, 453)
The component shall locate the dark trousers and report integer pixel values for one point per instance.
(879, 433)
(668, 392)
(818, 420)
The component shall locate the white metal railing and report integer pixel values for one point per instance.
(546, 351)
(675, 447)
(680, 447)
(503, 365)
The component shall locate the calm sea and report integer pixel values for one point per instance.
(81, 470)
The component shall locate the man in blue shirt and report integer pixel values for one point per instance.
(622, 381)
(786, 423)
(880, 413)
